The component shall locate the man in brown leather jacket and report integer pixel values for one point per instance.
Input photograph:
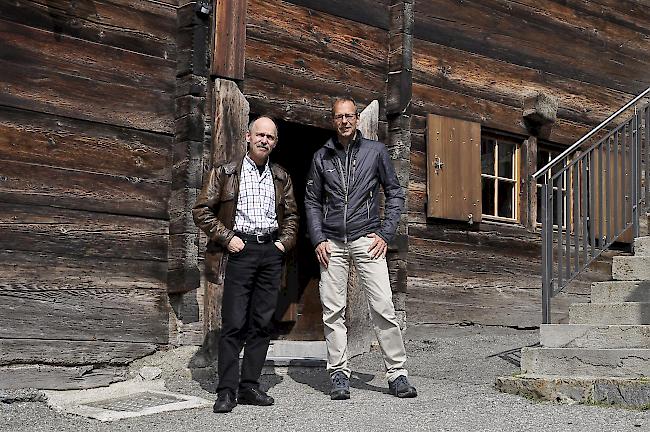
(248, 210)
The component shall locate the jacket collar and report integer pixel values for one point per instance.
(333, 143)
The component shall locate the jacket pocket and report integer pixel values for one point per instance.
(326, 208)
(368, 203)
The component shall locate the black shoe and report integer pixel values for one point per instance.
(225, 403)
(254, 396)
(401, 388)
(340, 386)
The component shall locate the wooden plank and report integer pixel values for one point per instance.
(371, 12)
(38, 271)
(479, 76)
(147, 27)
(536, 47)
(317, 32)
(631, 14)
(311, 69)
(43, 139)
(59, 377)
(128, 315)
(438, 303)
(495, 115)
(76, 233)
(25, 183)
(229, 39)
(67, 78)
(453, 169)
(71, 353)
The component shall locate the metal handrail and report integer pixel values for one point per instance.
(590, 196)
(591, 133)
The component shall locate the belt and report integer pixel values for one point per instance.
(258, 238)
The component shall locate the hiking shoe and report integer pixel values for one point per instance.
(401, 388)
(340, 386)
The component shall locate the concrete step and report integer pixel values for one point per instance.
(590, 336)
(620, 291)
(642, 246)
(631, 268)
(621, 392)
(583, 362)
(629, 313)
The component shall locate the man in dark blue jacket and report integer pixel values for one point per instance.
(342, 207)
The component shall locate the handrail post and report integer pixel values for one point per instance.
(547, 254)
(636, 175)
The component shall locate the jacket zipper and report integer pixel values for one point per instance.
(326, 207)
(368, 204)
(345, 193)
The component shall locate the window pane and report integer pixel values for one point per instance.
(488, 196)
(506, 158)
(487, 156)
(542, 158)
(506, 191)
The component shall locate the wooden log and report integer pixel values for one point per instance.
(71, 352)
(229, 39)
(230, 122)
(127, 89)
(505, 83)
(73, 233)
(82, 190)
(465, 28)
(147, 27)
(432, 100)
(295, 66)
(59, 377)
(81, 145)
(371, 12)
(37, 271)
(129, 315)
(308, 30)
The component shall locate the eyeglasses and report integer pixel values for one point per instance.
(340, 117)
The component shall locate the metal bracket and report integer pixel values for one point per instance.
(437, 164)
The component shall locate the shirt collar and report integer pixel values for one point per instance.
(250, 164)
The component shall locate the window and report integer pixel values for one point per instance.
(500, 177)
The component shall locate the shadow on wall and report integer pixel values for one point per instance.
(67, 15)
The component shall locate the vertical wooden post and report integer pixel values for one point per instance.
(228, 56)
(398, 112)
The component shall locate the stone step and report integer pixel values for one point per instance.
(620, 291)
(629, 313)
(590, 336)
(583, 362)
(631, 268)
(628, 393)
(642, 246)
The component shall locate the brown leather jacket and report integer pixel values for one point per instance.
(214, 212)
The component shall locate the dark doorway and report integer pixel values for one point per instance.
(298, 315)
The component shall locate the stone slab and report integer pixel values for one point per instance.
(631, 268)
(88, 403)
(642, 246)
(594, 336)
(628, 313)
(586, 362)
(628, 393)
(620, 291)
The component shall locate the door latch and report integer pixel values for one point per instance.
(437, 164)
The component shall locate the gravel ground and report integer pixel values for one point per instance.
(452, 368)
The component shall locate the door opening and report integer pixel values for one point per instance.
(299, 315)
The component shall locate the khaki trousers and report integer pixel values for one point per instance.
(374, 281)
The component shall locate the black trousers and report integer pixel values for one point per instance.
(250, 293)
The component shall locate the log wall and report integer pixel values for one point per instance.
(86, 132)
(478, 60)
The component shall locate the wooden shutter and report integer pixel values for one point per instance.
(453, 169)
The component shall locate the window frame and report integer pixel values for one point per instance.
(516, 172)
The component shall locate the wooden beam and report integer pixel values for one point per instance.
(229, 39)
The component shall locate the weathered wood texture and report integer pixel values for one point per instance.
(228, 56)
(298, 58)
(454, 158)
(59, 377)
(86, 124)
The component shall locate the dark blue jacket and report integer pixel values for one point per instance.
(342, 200)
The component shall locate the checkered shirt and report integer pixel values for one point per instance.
(256, 203)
